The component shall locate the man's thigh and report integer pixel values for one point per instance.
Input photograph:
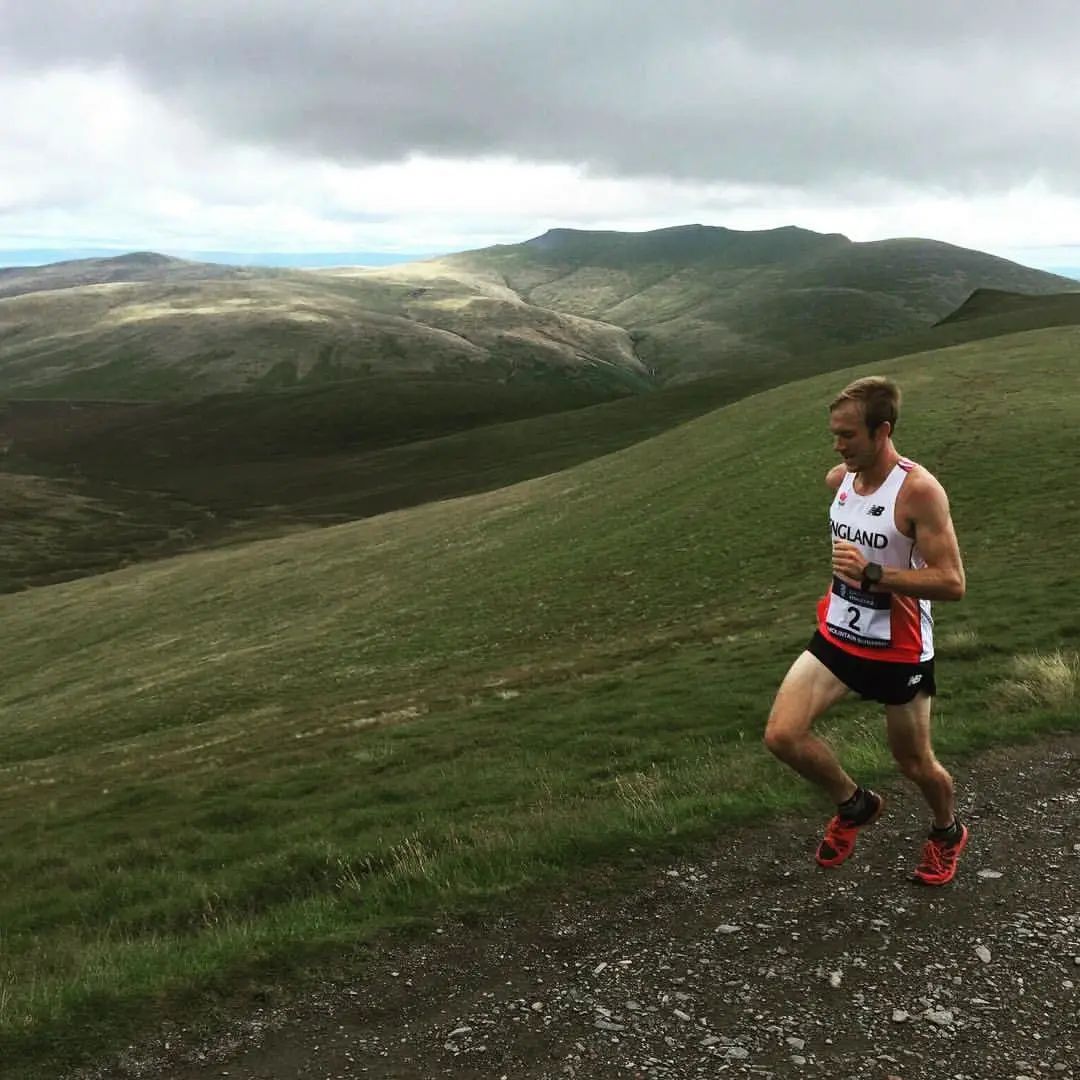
(808, 689)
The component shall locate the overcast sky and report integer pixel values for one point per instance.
(350, 125)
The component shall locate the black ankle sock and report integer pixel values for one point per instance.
(950, 832)
(855, 807)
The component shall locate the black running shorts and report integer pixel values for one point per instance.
(879, 680)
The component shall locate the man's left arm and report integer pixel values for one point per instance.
(943, 576)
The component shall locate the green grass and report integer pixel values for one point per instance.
(217, 770)
(997, 308)
(347, 415)
(92, 486)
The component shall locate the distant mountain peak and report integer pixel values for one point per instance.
(133, 266)
(694, 244)
(146, 258)
(130, 260)
(695, 229)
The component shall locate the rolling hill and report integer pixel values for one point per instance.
(233, 766)
(700, 300)
(95, 485)
(163, 328)
(622, 312)
(136, 266)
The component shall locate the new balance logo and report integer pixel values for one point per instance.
(876, 511)
(914, 680)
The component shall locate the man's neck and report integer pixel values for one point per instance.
(872, 478)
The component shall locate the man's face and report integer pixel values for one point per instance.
(851, 440)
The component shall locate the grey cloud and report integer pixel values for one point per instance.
(805, 94)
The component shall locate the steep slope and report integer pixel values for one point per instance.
(995, 307)
(661, 509)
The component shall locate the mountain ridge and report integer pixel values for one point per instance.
(702, 300)
(623, 311)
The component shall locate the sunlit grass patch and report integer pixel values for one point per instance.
(960, 645)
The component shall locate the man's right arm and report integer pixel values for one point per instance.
(835, 477)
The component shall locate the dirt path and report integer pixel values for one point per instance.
(747, 961)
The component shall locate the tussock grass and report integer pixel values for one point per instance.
(1042, 680)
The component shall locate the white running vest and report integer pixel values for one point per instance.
(876, 625)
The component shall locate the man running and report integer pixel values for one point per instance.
(894, 550)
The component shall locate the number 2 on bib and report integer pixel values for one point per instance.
(859, 617)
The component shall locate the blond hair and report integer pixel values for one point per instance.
(879, 397)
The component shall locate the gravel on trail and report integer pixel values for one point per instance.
(743, 960)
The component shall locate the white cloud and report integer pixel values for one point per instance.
(92, 158)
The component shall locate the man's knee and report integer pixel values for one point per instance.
(781, 738)
(918, 767)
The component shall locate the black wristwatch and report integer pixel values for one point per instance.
(871, 575)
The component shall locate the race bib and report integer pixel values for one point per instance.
(859, 617)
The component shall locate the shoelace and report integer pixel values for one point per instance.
(840, 829)
(932, 859)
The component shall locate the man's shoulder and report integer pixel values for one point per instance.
(918, 476)
(921, 487)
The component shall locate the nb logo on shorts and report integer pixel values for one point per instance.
(914, 680)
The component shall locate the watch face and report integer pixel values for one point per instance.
(872, 572)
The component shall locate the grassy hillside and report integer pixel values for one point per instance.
(90, 486)
(217, 766)
(56, 528)
(354, 415)
(701, 301)
(119, 483)
(191, 336)
(621, 311)
(997, 308)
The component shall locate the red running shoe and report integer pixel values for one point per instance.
(839, 839)
(939, 859)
